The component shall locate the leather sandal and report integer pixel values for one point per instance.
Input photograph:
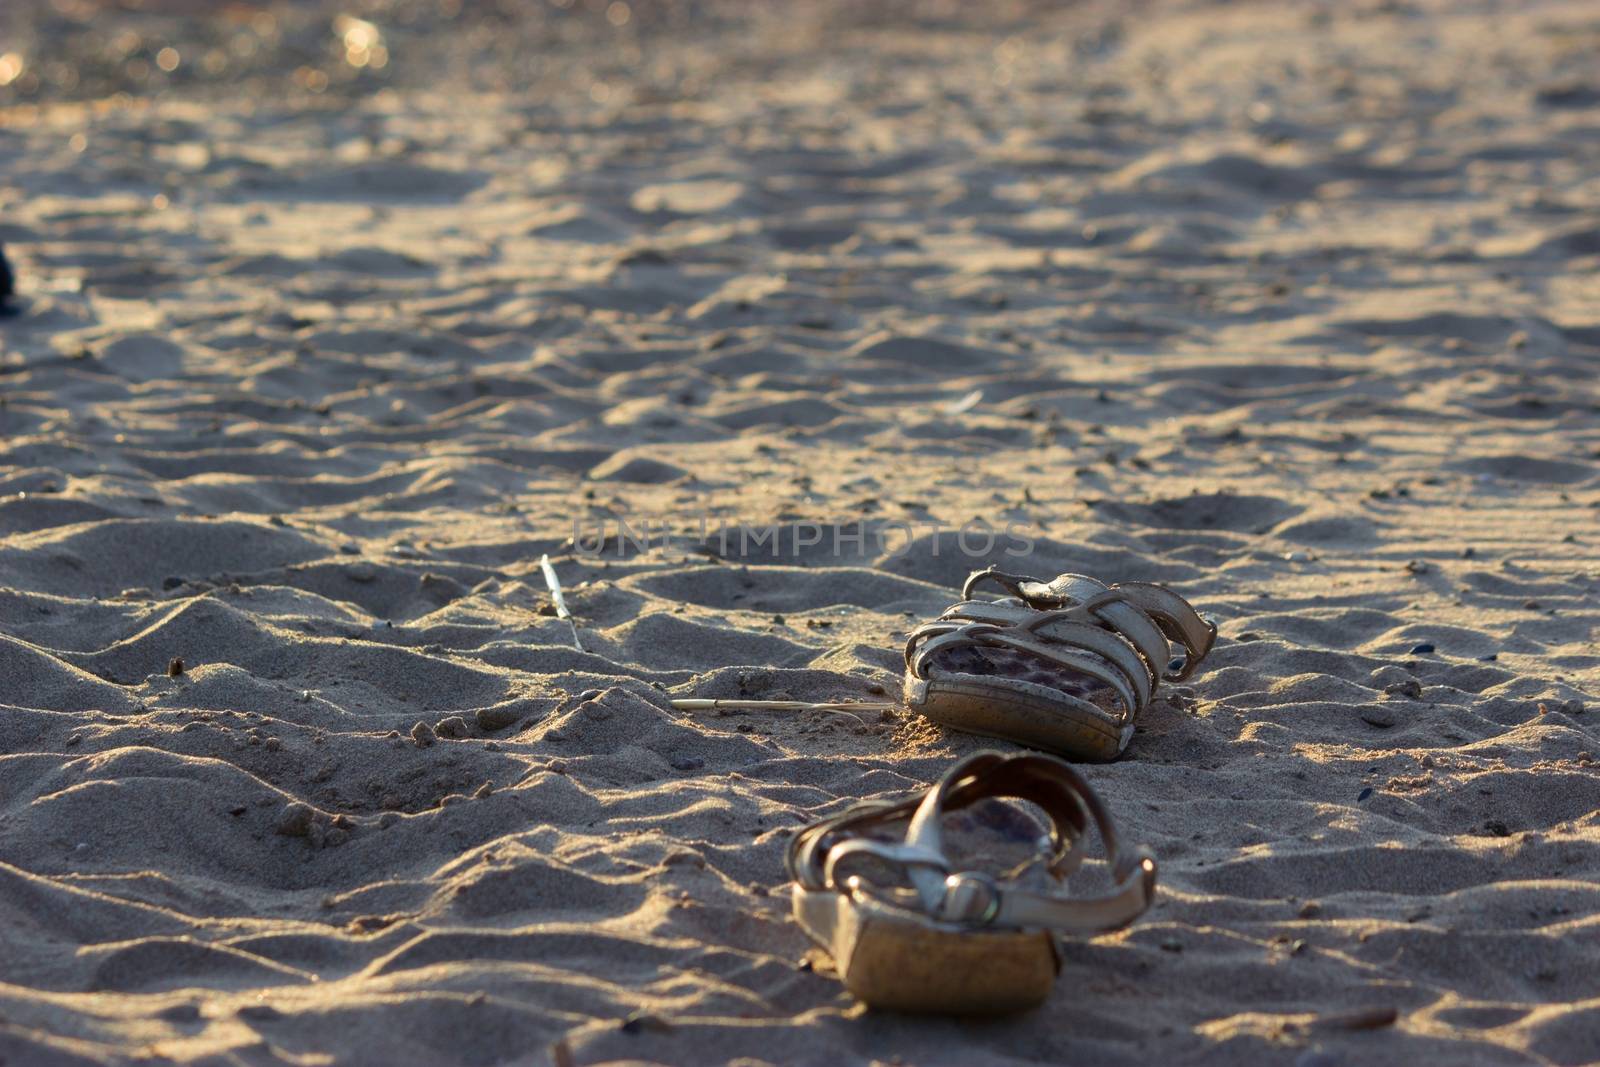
(1066, 666)
(908, 933)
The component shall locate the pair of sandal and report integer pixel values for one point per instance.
(1065, 666)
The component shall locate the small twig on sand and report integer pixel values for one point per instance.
(560, 601)
(841, 707)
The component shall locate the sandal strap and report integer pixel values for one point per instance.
(1011, 583)
(973, 899)
(1177, 619)
(1174, 615)
(1057, 638)
(1077, 622)
(1131, 626)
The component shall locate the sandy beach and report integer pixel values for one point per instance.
(769, 323)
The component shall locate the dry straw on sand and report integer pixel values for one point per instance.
(560, 601)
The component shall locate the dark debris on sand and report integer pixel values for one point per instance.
(8, 285)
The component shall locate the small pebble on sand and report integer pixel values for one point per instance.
(452, 726)
(259, 1012)
(642, 1022)
(496, 718)
(295, 820)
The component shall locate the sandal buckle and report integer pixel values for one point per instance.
(970, 897)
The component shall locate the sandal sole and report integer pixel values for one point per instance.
(1023, 712)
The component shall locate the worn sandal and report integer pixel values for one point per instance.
(1066, 666)
(961, 943)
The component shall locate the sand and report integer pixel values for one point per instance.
(1291, 308)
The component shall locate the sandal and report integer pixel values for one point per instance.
(962, 943)
(1065, 666)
